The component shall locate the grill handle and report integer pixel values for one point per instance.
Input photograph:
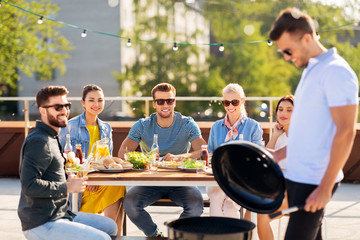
(286, 211)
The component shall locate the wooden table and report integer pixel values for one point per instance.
(164, 177)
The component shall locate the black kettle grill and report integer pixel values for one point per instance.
(249, 175)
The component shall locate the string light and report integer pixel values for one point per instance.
(175, 47)
(221, 48)
(128, 44)
(41, 20)
(84, 34)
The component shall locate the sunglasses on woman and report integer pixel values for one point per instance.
(234, 102)
(169, 101)
(59, 107)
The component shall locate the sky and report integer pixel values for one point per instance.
(342, 3)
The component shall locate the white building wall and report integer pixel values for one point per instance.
(96, 57)
(93, 59)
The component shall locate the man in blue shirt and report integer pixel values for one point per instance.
(176, 134)
(322, 127)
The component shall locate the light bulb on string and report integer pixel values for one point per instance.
(269, 42)
(128, 44)
(41, 20)
(84, 34)
(175, 47)
(221, 48)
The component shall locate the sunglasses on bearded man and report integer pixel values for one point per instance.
(59, 107)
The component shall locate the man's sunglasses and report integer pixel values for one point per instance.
(285, 51)
(288, 51)
(234, 102)
(169, 101)
(59, 107)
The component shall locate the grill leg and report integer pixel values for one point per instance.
(124, 225)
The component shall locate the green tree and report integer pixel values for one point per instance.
(158, 63)
(257, 67)
(27, 46)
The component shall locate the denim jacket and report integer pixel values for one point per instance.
(79, 134)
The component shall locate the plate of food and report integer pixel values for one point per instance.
(72, 162)
(73, 169)
(111, 170)
(112, 164)
(78, 168)
(208, 170)
(169, 164)
(189, 169)
(138, 170)
(191, 165)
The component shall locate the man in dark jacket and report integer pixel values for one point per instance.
(44, 184)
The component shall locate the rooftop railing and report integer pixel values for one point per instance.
(147, 100)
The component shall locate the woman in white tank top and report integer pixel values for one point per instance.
(278, 139)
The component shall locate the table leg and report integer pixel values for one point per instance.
(74, 202)
(253, 217)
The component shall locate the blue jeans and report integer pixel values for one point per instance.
(138, 198)
(84, 226)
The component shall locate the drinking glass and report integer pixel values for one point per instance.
(84, 169)
(200, 166)
(82, 172)
(153, 165)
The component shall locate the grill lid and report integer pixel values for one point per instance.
(249, 175)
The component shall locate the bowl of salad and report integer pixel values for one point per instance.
(139, 160)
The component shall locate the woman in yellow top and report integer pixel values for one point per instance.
(86, 129)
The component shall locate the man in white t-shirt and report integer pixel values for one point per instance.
(322, 127)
